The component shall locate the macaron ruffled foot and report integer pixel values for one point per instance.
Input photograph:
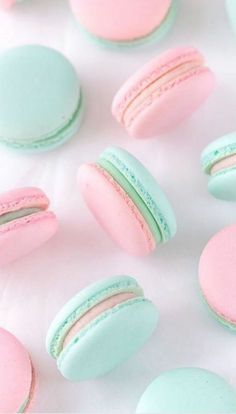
(127, 201)
(101, 327)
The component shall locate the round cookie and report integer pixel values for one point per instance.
(40, 98)
(101, 327)
(188, 391)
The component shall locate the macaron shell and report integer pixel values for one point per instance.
(15, 373)
(115, 211)
(146, 186)
(223, 185)
(103, 18)
(6, 4)
(109, 341)
(21, 198)
(161, 113)
(22, 236)
(188, 391)
(217, 269)
(217, 150)
(91, 296)
(43, 94)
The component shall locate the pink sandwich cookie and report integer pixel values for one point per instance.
(217, 276)
(163, 93)
(122, 22)
(25, 222)
(17, 376)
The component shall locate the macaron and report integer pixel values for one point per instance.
(218, 160)
(17, 375)
(25, 222)
(127, 201)
(231, 10)
(217, 270)
(122, 23)
(40, 98)
(163, 93)
(188, 391)
(101, 327)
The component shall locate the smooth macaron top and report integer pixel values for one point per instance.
(39, 96)
(231, 9)
(102, 341)
(120, 21)
(163, 92)
(147, 189)
(188, 391)
(16, 374)
(217, 269)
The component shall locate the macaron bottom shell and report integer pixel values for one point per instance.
(108, 340)
(154, 36)
(222, 185)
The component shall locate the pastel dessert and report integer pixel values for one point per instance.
(124, 23)
(101, 327)
(217, 269)
(40, 102)
(188, 391)
(163, 93)
(218, 160)
(17, 376)
(231, 10)
(127, 201)
(25, 222)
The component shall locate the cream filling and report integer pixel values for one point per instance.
(223, 164)
(158, 85)
(14, 215)
(96, 311)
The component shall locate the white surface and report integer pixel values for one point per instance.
(33, 289)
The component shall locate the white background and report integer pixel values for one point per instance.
(33, 289)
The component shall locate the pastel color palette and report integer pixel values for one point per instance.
(40, 102)
(101, 327)
(188, 391)
(127, 201)
(17, 375)
(25, 222)
(124, 23)
(231, 9)
(163, 93)
(218, 160)
(217, 269)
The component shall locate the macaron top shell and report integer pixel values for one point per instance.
(40, 98)
(146, 187)
(231, 9)
(15, 373)
(217, 269)
(164, 92)
(107, 340)
(120, 21)
(188, 391)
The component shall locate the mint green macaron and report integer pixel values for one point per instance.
(100, 328)
(231, 10)
(218, 160)
(40, 98)
(188, 391)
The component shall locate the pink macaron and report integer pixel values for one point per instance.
(17, 375)
(163, 93)
(25, 222)
(124, 22)
(217, 275)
